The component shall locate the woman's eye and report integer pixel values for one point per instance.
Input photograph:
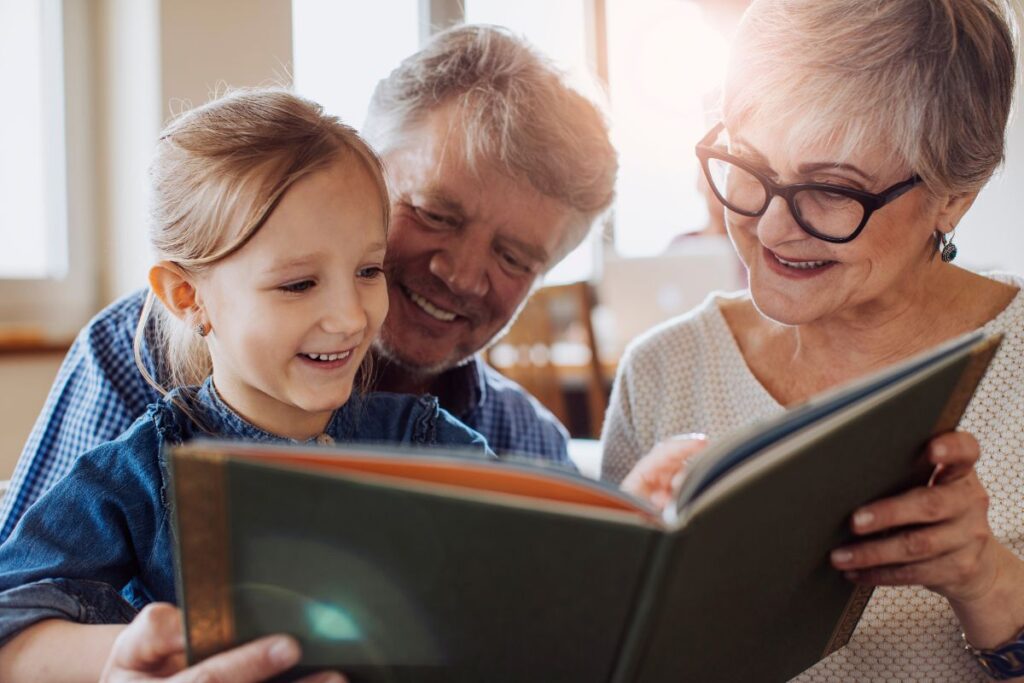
(300, 286)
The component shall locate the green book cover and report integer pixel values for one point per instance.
(420, 566)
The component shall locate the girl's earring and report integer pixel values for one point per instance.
(948, 248)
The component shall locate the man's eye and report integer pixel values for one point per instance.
(433, 218)
(300, 286)
(513, 262)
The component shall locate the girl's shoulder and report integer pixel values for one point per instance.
(405, 419)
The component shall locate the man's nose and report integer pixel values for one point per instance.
(462, 266)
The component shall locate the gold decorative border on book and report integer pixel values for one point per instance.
(848, 622)
(977, 364)
(200, 480)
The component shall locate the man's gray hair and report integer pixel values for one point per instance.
(516, 111)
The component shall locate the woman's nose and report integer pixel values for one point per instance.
(777, 225)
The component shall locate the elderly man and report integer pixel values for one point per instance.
(497, 168)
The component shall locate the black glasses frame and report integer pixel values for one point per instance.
(870, 201)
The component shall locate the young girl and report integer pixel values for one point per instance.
(270, 222)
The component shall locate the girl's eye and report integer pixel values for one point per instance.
(371, 272)
(300, 286)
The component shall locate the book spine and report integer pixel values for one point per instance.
(641, 622)
(205, 573)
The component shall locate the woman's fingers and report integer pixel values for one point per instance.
(922, 505)
(954, 454)
(912, 545)
(653, 478)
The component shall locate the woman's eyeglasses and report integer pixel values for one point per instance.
(828, 212)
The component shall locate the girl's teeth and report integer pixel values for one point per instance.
(327, 356)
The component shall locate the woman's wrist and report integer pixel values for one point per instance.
(996, 615)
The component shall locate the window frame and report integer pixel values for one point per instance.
(58, 305)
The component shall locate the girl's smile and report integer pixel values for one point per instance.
(294, 311)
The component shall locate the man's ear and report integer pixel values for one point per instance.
(952, 209)
(176, 291)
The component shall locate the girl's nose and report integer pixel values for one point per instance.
(345, 315)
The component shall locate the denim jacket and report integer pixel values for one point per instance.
(98, 546)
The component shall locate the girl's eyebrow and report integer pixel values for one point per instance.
(296, 262)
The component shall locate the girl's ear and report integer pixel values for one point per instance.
(176, 291)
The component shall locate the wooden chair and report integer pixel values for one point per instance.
(551, 347)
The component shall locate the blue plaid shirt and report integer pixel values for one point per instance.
(99, 393)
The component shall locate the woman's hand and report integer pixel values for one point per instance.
(655, 477)
(153, 648)
(938, 535)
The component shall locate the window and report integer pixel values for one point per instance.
(48, 282)
(664, 63)
(341, 50)
(33, 219)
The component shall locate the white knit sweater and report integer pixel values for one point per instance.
(688, 375)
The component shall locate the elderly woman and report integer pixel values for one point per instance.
(855, 135)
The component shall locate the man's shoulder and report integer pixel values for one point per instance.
(512, 419)
(119, 316)
(109, 336)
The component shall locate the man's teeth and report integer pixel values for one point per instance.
(327, 356)
(431, 309)
(802, 265)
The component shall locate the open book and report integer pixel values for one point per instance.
(395, 566)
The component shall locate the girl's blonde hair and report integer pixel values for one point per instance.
(219, 171)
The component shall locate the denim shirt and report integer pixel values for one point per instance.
(98, 394)
(98, 546)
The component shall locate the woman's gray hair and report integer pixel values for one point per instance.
(516, 111)
(930, 81)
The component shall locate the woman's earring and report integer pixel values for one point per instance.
(948, 248)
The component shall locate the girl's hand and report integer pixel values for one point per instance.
(152, 648)
(938, 535)
(655, 478)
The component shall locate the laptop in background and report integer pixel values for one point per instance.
(635, 294)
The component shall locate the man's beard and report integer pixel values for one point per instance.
(419, 372)
(424, 372)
